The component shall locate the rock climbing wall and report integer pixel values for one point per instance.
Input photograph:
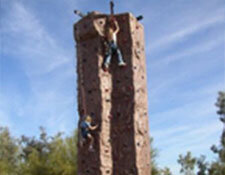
(116, 100)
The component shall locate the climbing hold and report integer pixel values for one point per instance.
(89, 91)
(118, 81)
(85, 26)
(130, 88)
(95, 49)
(125, 145)
(110, 116)
(126, 77)
(124, 40)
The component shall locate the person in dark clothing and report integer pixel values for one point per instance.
(85, 128)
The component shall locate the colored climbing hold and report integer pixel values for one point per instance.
(124, 40)
(85, 26)
(130, 88)
(110, 116)
(89, 91)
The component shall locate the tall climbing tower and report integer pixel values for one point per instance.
(116, 99)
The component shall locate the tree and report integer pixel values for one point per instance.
(155, 170)
(49, 155)
(8, 153)
(202, 166)
(165, 171)
(218, 167)
(154, 153)
(187, 163)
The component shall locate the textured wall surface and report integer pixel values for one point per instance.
(117, 100)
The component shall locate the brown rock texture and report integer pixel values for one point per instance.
(116, 100)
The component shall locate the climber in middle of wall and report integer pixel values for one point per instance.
(112, 29)
(85, 127)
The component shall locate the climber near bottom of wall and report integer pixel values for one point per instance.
(112, 28)
(85, 128)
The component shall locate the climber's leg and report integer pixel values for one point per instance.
(83, 138)
(120, 58)
(91, 142)
(119, 55)
(108, 57)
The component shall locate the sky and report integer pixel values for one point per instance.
(185, 66)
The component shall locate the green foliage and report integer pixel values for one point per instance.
(154, 153)
(44, 156)
(155, 170)
(165, 171)
(8, 153)
(187, 163)
(221, 105)
(218, 167)
(202, 166)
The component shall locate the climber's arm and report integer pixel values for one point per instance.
(117, 27)
(93, 127)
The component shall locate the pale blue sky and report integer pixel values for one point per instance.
(185, 61)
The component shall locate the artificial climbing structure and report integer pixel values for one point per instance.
(116, 99)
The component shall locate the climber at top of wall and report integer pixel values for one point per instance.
(111, 31)
(85, 128)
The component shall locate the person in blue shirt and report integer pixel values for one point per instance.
(85, 127)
